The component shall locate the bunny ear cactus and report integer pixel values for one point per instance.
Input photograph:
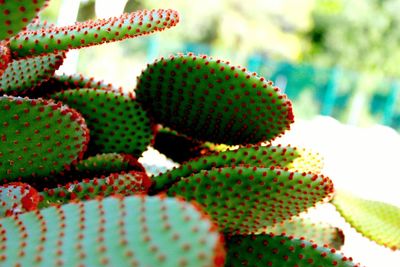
(244, 200)
(122, 183)
(90, 33)
(23, 75)
(211, 100)
(256, 188)
(284, 157)
(117, 122)
(375, 220)
(17, 198)
(319, 233)
(282, 251)
(132, 231)
(39, 138)
(16, 14)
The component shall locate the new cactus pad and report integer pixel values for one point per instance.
(211, 100)
(90, 33)
(117, 122)
(375, 220)
(282, 251)
(133, 231)
(245, 200)
(39, 138)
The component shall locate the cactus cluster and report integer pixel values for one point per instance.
(73, 192)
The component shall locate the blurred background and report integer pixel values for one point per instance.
(337, 60)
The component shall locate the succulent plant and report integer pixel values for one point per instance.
(72, 188)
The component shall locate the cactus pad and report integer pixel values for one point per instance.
(375, 220)
(107, 163)
(245, 200)
(116, 121)
(117, 183)
(89, 33)
(38, 137)
(62, 82)
(132, 231)
(24, 74)
(211, 100)
(16, 14)
(258, 156)
(17, 198)
(319, 233)
(5, 57)
(282, 251)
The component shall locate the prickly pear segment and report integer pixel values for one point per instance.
(115, 231)
(88, 33)
(117, 122)
(125, 184)
(38, 138)
(16, 14)
(245, 200)
(23, 75)
(211, 100)
(16, 198)
(282, 251)
(284, 157)
(319, 233)
(375, 220)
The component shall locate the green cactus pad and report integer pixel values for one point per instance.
(245, 200)
(116, 121)
(133, 231)
(38, 138)
(258, 156)
(211, 100)
(16, 198)
(282, 251)
(24, 74)
(62, 82)
(376, 220)
(102, 164)
(125, 184)
(319, 233)
(16, 14)
(88, 33)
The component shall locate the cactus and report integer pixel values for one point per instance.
(211, 100)
(245, 200)
(283, 251)
(319, 233)
(16, 14)
(22, 76)
(116, 121)
(17, 198)
(75, 142)
(257, 156)
(122, 183)
(90, 33)
(39, 138)
(375, 220)
(133, 231)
